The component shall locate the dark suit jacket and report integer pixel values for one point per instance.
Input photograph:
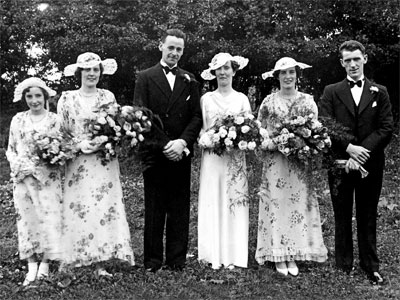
(179, 109)
(371, 126)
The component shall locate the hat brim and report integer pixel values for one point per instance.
(110, 66)
(31, 82)
(271, 73)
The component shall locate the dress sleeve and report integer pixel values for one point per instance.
(246, 104)
(11, 152)
(263, 112)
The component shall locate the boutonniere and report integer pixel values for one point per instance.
(186, 78)
(374, 89)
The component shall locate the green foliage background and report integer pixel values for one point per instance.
(263, 31)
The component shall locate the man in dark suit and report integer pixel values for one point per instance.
(173, 94)
(364, 107)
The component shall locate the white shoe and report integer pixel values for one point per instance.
(31, 275)
(281, 268)
(43, 271)
(292, 268)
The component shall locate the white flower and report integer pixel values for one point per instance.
(245, 129)
(110, 121)
(232, 134)
(251, 145)
(374, 89)
(239, 120)
(222, 132)
(102, 120)
(108, 146)
(264, 132)
(103, 114)
(127, 126)
(215, 138)
(205, 140)
(250, 116)
(134, 142)
(186, 77)
(242, 145)
(138, 114)
(140, 138)
(258, 123)
(228, 142)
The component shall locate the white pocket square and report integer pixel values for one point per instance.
(188, 97)
(374, 104)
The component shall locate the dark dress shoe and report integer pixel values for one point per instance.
(375, 278)
(153, 269)
(174, 267)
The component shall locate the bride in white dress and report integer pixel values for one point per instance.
(223, 211)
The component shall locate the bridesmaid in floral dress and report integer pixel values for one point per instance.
(37, 188)
(95, 227)
(289, 226)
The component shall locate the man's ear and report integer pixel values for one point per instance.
(160, 46)
(365, 58)
(341, 62)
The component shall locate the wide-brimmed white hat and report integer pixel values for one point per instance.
(283, 64)
(221, 59)
(90, 59)
(31, 82)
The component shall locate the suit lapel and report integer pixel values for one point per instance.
(178, 88)
(161, 81)
(345, 96)
(366, 96)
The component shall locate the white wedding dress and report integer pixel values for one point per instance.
(223, 211)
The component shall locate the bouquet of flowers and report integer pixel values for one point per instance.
(105, 130)
(230, 132)
(53, 148)
(302, 138)
(135, 122)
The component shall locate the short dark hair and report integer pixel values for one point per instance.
(173, 32)
(351, 45)
(78, 74)
(235, 66)
(297, 68)
(45, 93)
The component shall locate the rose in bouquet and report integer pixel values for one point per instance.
(105, 131)
(301, 138)
(135, 122)
(230, 132)
(52, 149)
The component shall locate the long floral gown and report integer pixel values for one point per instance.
(223, 211)
(95, 227)
(37, 189)
(289, 226)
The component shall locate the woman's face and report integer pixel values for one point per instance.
(287, 78)
(91, 76)
(34, 98)
(225, 74)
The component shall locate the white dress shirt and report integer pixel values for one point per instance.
(170, 77)
(356, 91)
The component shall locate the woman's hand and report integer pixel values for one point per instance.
(88, 147)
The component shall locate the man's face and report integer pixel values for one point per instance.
(353, 62)
(172, 50)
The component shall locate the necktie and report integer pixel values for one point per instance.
(168, 69)
(353, 83)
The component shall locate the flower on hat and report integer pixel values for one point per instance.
(221, 59)
(283, 64)
(31, 82)
(89, 60)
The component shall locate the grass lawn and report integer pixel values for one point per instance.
(197, 281)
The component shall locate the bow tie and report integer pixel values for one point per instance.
(353, 83)
(168, 69)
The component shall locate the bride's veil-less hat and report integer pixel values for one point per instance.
(90, 59)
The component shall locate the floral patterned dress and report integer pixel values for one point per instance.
(95, 227)
(289, 226)
(223, 211)
(37, 189)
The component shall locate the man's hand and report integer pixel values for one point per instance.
(351, 165)
(173, 150)
(358, 153)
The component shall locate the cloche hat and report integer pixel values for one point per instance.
(221, 59)
(283, 64)
(31, 82)
(90, 59)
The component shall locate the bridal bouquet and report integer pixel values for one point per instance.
(230, 132)
(52, 149)
(302, 138)
(105, 130)
(135, 122)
